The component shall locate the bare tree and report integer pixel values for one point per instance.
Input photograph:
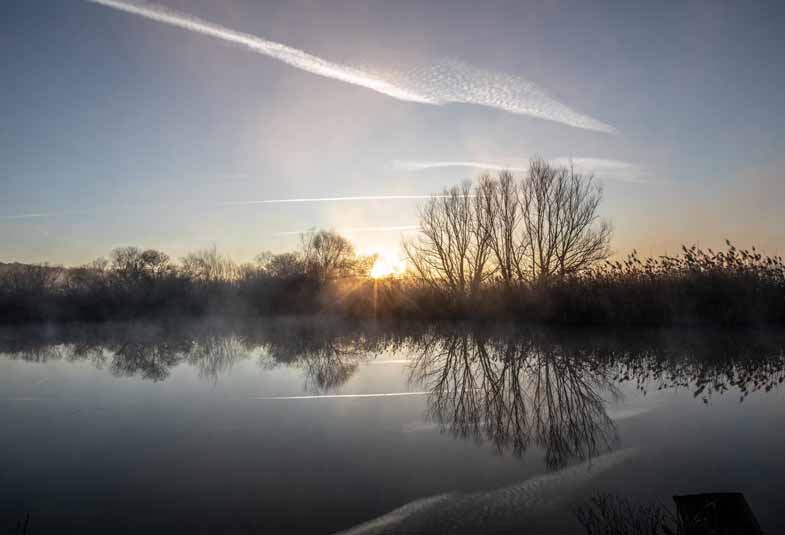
(453, 249)
(500, 200)
(156, 263)
(544, 226)
(564, 232)
(33, 280)
(127, 263)
(282, 265)
(132, 265)
(209, 266)
(327, 254)
(92, 275)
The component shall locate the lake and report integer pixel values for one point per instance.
(323, 426)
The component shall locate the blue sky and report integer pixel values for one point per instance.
(121, 130)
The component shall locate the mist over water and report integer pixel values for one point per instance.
(369, 427)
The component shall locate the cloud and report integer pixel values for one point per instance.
(437, 84)
(602, 168)
(452, 81)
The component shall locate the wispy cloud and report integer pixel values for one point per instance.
(602, 168)
(440, 83)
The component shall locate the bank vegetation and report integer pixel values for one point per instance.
(530, 248)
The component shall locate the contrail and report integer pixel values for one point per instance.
(409, 165)
(603, 168)
(402, 228)
(624, 414)
(41, 381)
(28, 399)
(29, 216)
(440, 83)
(247, 203)
(381, 229)
(37, 215)
(416, 427)
(291, 56)
(331, 199)
(343, 396)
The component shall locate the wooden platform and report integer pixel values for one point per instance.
(724, 513)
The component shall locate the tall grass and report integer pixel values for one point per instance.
(731, 287)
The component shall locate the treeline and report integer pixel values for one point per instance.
(530, 248)
(135, 283)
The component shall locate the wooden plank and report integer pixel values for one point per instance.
(722, 513)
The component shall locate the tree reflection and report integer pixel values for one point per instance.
(149, 361)
(513, 388)
(328, 352)
(215, 354)
(518, 392)
(740, 363)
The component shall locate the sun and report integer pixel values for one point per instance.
(386, 265)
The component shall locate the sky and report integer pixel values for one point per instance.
(180, 125)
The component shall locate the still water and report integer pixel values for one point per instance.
(317, 426)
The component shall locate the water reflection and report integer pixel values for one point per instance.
(739, 363)
(518, 391)
(328, 351)
(512, 388)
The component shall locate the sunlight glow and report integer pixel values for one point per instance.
(387, 265)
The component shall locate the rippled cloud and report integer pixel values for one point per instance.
(453, 81)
